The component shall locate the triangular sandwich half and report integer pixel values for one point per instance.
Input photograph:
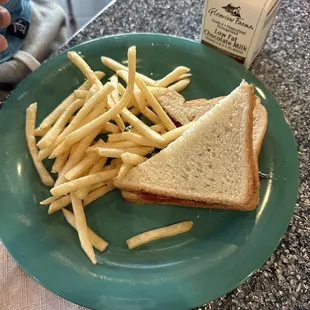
(210, 165)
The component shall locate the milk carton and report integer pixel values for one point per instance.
(238, 27)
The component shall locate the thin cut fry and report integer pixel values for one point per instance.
(33, 150)
(48, 200)
(141, 103)
(151, 100)
(94, 88)
(82, 228)
(116, 153)
(115, 94)
(95, 240)
(72, 129)
(59, 204)
(172, 76)
(94, 195)
(104, 118)
(77, 155)
(135, 111)
(180, 85)
(60, 162)
(141, 127)
(80, 94)
(109, 127)
(184, 76)
(74, 185)
(159, 233)
(134, 137)
(96, 186)
(83, 166)
(59, 125)
(39, 132)
(97, 167)
(123, 170)
(158, 127)
(114, 145)
(116, 162)
(115, 66)
(93, 114)
(77, 60)
(175, 133)
(132, 159)
(52, 117)
(117, 118)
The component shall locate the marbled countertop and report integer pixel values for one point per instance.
(283, 282)
(284, 66)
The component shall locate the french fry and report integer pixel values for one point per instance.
(175, 133)
(180, 85)
(115, 66)
(104, 118)
(116, 153)
(52, 117)
(33, 150)
(158, 127)
(60, 162)
(124, 170)
(83, 166)
(58, 204)
(133, 159)
(135, 111)
(116, 162)
(117, 118)
(121, 90)
(59, 125)
(76, 184)
(94, 195)
(48, 200)
(97, 167)
(134, 137)
(78, 61)
(115, 94)
(172, 76)
(92, 115)
(184, 76)
(96, 241)
(155, 105)
(114, 145)
(141, 127)
(141, 103)
(81, 115)
(94, 88)
(159, 233)
(96, 186)
(39, 132)
(77, 155)
(82, 228)
(80, 94)
(109, 127)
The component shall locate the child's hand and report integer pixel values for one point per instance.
(5, 19)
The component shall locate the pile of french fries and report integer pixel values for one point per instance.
(86, 163)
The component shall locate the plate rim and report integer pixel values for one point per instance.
(233, 62)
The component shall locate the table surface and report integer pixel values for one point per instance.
(284, 67)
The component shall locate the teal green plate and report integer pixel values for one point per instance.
(223, 248)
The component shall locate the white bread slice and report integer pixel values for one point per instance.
(210, 165)
(186, 111)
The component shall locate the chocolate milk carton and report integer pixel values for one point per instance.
(238, 27)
